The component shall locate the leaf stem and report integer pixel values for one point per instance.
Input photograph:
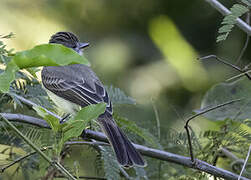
(226, 63)
(224, 11)
(144, 150)
(239, 75)
(22, 158)
(246, 41)
(39, 151)
(246, 160)
(198, 114)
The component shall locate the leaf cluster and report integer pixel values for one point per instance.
(237, 10)
(19, 79)
(232, 122)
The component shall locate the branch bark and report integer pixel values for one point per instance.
(224, 11)
(41, 153)
(146, 151)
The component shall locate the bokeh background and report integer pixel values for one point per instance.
(147, 48)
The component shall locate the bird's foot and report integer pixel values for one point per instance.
(65, 118)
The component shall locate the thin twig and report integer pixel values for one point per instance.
(30, 103)
(123, 172)
(170, 157)
(41, 153)
(212, 56)
(50, 147)
(226, 63)
(86, 143)
(246, 42)
(215, 159)
(245, 162)
(22, 158)
(157, 118)
(82, 177)
(238, 76)
(198, 114)
(158, 154)
(224, 11)
(189, 143)
(228, 154)
(52, 172)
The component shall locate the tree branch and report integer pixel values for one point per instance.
(204, 111)
(21, 158)
(246, 42)
(224, 11)
(245, 163)
(82, 177)
(33, 146)
(226, 63)
(26, 119)
(146, 151)
(30, 103)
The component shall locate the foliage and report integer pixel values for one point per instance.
(117, 96)
(143, 133)
(230, 20)
(3, 51)
(231, 123)
(26, 85)
(41, 55)
(230, 138)
(74, 127)
(111, 166)
(224, 92)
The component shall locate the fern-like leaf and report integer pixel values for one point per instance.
(141, 173)
(247, 2)
(111, 166)
(143, 133)
(230, 20)
(117, 96)
(3, 51)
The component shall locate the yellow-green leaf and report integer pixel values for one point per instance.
(41, 55)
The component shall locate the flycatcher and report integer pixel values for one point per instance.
(74, 86)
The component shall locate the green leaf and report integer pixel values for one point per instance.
(222, 37)
(8, 36)
(51, 120)
(8, 76)
(238, 10)
(247, 2)
(111, 166)
(224, 92)
(41, 55)
(226, 28)
(140, 172)
(230, 20)
(48, 55)
(143, 133)
(117, 96)
(75, 126)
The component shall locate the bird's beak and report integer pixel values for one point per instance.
(83, 45)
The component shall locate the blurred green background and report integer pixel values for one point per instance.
(147, 48)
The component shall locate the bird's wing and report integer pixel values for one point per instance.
(79, 92)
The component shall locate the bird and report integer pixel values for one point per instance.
(72, 87)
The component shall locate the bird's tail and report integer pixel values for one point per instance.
(125, 152)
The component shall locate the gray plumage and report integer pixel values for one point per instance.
(79, 85)
(76, 83)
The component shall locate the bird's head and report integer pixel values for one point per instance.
(69, 40)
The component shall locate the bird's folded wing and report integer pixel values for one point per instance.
(78, 92)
